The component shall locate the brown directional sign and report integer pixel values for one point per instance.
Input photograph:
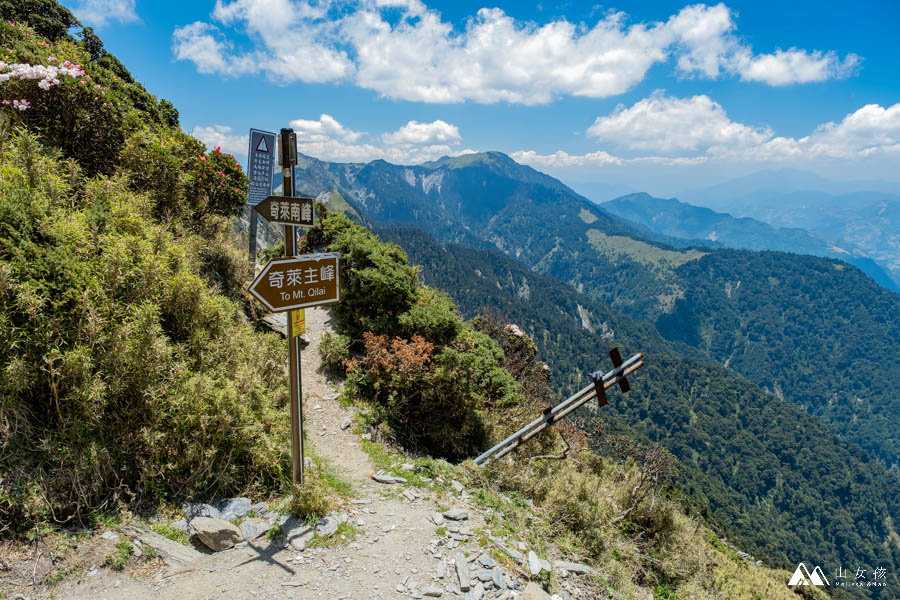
(296, 282)
(288, 211)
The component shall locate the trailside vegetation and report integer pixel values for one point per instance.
(127, 376)
(772, 479)
(130, 372)
(436, 385)
(434, 380)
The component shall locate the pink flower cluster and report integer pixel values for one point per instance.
(515, 329)
(48, 76)
(18, 104)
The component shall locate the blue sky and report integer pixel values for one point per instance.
(654, 95)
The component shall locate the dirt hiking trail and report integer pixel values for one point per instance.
(399, 552)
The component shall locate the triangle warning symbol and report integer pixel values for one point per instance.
(262, 146)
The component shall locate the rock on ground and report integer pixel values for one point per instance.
(233, 508)
(192, 510)
(534, 592)
(462, 571)
(571, 567)
(253, 528)
(457, 514)
(216, 534)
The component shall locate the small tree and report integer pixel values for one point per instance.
(92, 44)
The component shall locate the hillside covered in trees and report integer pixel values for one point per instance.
(749, 461)
(550, 229)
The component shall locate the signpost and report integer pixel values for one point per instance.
(291, 283)
(260, 164)
(288, 211)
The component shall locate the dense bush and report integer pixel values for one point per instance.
(46, 17)
(432, 316)
(76, 97)
(334, 351)
(377, 283)
(433, 381)
(184, 181)
(125, 376)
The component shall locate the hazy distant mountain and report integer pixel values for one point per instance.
(599, 191)
(782, 180)
(861, 216)
(674, 218)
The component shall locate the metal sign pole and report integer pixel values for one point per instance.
(596, 389)
(253, 227)
(288, 158)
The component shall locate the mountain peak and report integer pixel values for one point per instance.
(489, 158)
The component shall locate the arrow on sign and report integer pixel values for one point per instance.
(288, 210)
(296, 282)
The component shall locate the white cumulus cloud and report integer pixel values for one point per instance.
(869, 131)
(291, 41)
(97, 13)
(221, 135)
(403, 49)
(664, 124)
(561, 158)
(786, 67)
(327, 139)
(326, 128)
(691, 131)
(436, 132)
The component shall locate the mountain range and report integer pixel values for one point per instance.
(717, 300)
(860, 217)
(674, 218)
(750, 347)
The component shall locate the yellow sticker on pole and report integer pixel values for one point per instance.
(299, 317)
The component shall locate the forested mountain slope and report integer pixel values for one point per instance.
(814, 331)
(776, 477)
(679, 219)
(552, 230)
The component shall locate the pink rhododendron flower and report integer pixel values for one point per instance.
(513, 328)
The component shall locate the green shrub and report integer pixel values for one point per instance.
(184, 181)
(126, 376)
(47, 17)
(433, 401)
(118, 558)
(433, 316)
(334, 350)
(314, 499)
(90, 113)
(377, 282)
